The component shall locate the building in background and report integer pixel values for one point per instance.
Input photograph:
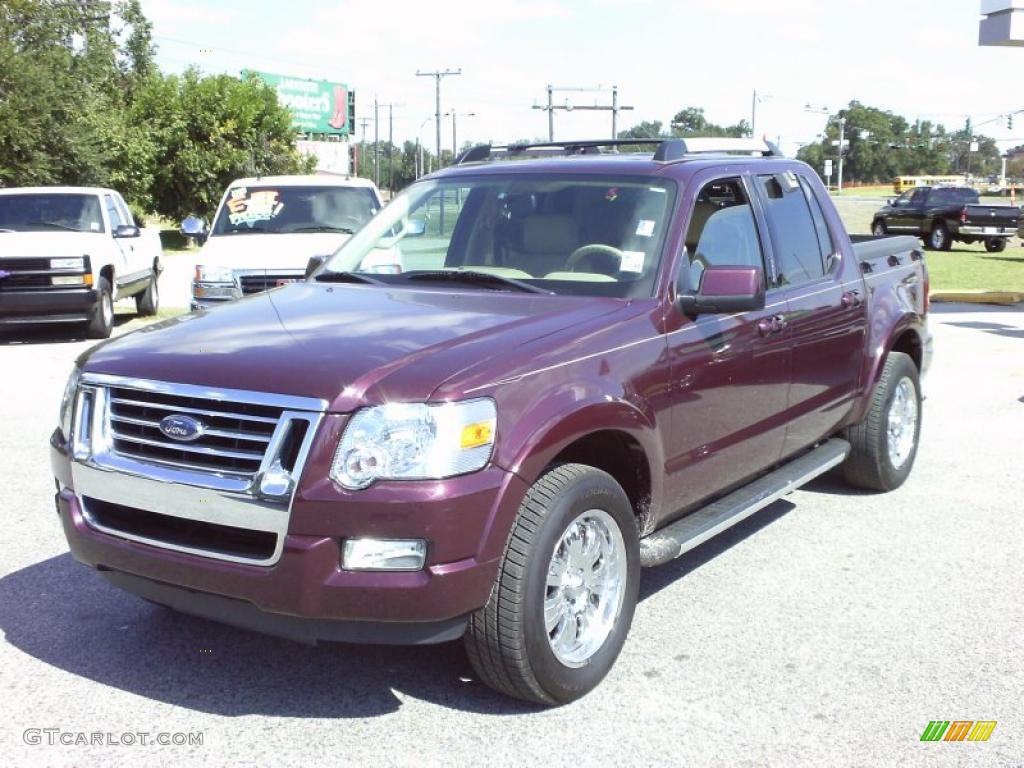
(1003, 22)
(323, 112)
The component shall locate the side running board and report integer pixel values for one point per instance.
(697, 527)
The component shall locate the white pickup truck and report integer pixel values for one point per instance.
(266, 230)
(67, 253)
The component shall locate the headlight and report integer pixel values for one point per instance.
(77, 263)
(67, 403)
(407, 441)
(213, 282)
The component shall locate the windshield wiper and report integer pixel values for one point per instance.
(251, 231)
(475, 278)
(347, 277)
(53, 224)
(324, 228)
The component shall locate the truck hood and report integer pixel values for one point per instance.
(346, 344)
(286, 251)
(42, 244)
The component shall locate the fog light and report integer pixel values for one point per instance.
(383, 554)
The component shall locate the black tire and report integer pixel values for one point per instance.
(939, 239)
(995, 244)
(101, 323)
(871, 464)
(147, 303)
(507, 640)
(878, 228)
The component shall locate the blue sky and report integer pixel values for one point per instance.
(918, 58)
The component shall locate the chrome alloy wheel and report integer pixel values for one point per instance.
(107, 309)
(902, 423)
(586, 584)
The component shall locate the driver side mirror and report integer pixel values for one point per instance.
(725, 289)
(314, 263)
(126, 230)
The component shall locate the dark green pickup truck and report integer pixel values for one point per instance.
(940, 215)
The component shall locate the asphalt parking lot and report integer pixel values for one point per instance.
(828, 629)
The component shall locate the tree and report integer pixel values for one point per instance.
(691, 122)
(67, 71)
(643, 130)
(882, 145)
(206, 131)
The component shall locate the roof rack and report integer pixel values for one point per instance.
(668, 150)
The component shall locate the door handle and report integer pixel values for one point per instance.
(771, 325)
(852, 299)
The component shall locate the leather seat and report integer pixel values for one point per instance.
(547, 242)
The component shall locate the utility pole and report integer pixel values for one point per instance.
(615, 108)
(842, 140)
(391, 146)
(376, 137)
(363, 121)
(753, 116)
(453, 115)
(437, 75)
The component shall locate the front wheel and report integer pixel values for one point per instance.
(147, 303)
(101, 322)
(884, 443)
(564, 598)
(995, 244)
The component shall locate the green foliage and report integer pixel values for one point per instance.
(207, 131)
(81, 102)
(691, 122)
(883, 145)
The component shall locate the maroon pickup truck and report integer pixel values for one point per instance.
(529, 376)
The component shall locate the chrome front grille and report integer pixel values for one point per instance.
(236, 476)
(234, 441)
(262, 281)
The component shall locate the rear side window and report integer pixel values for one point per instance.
(792, 230)
(825, 244)
(722, 232)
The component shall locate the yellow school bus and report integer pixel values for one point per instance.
(901, 184)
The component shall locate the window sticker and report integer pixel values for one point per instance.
(645, 228)
(632, 261)
(94, 226)
(259, 205)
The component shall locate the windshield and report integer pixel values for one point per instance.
(44, 212)
(571, 234)
(279, 210)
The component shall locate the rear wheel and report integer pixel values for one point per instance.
(878, 229)
(939, 239)
(884, 444)
(563, 601)
(101, 323)
(995, 244)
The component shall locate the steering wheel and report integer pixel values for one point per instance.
(594, 248)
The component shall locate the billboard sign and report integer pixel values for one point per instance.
(316, 105)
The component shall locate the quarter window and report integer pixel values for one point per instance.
(825, 244)
(792, 230)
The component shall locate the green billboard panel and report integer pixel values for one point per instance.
(316, 105)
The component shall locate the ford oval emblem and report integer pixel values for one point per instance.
(182, 428)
